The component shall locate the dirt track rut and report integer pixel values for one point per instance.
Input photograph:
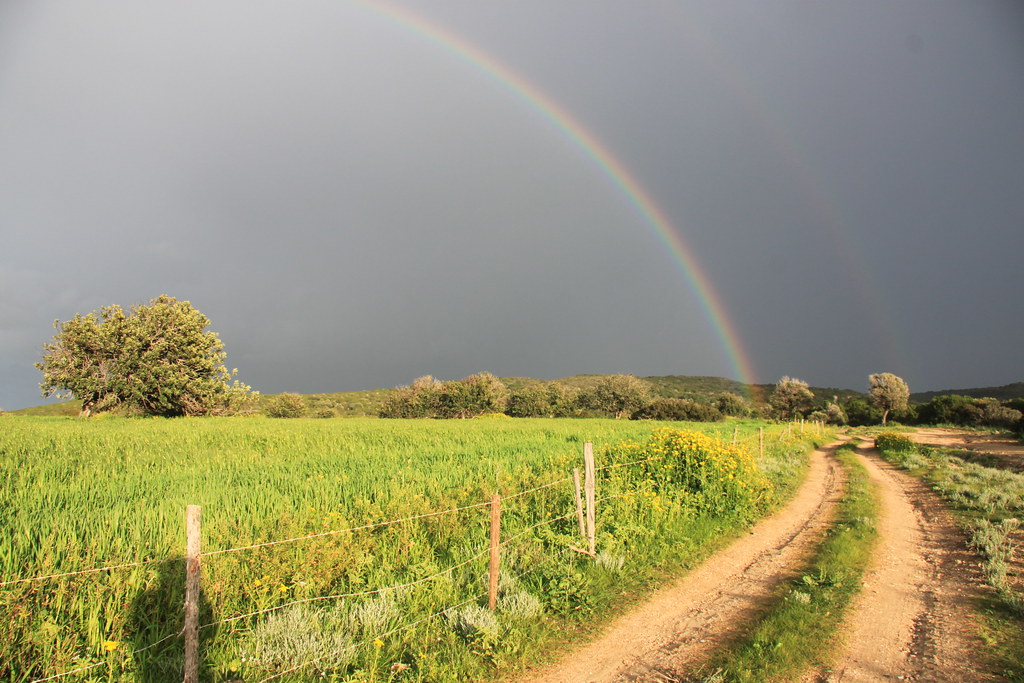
(676, 630)
(912, 621)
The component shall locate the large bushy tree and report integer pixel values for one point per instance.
(620, 395)
(157, 359)
(888, 393)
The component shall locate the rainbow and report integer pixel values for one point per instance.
(591, 147)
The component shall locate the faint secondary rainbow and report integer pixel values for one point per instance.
(799, 161)
(575, 131)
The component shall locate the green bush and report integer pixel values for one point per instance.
(285, 405)
(859, 412)
(679, 410)
(732, 404)
(529, 401)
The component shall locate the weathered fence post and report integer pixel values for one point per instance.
(492, 599)
(192, 568)
(588, 475)
(735, 434)
(579, 503)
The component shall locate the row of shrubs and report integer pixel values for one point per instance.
(961, 411)
(612, 396)
(626, 396)
(484, 394)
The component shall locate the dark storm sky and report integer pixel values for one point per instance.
(354, 202)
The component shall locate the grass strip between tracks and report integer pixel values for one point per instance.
(799, 631)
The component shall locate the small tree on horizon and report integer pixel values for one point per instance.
(834, 413)
(791, 396)
(888, 393)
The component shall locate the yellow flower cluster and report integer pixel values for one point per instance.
(711, 473)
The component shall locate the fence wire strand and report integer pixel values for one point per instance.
(627, 464)
(538, 488)
(381, 636)
(518, 576)
(349, 595)
(91, 571)
(93, 666)
(364, 527)
(388, 588)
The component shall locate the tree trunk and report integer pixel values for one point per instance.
(885, 417)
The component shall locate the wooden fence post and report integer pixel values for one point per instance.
(192, 567)
(579, 503)
(492, 599)
(735, 434)
(588, 475)
(760, 441)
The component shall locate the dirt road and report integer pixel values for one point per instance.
(1007, 450)
(681, 625)
(912, 621)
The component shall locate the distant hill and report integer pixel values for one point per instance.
(1003, 393)
(65, 408)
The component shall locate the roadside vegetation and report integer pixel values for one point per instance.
(798, 632)
(989, 502)
(85, 494)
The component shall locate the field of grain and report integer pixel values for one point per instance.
(318, 595)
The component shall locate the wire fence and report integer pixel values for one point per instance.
(746, 440)
(495, 546)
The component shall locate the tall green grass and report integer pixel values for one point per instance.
(77, 495)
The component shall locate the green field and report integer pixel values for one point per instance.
(79, 495)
